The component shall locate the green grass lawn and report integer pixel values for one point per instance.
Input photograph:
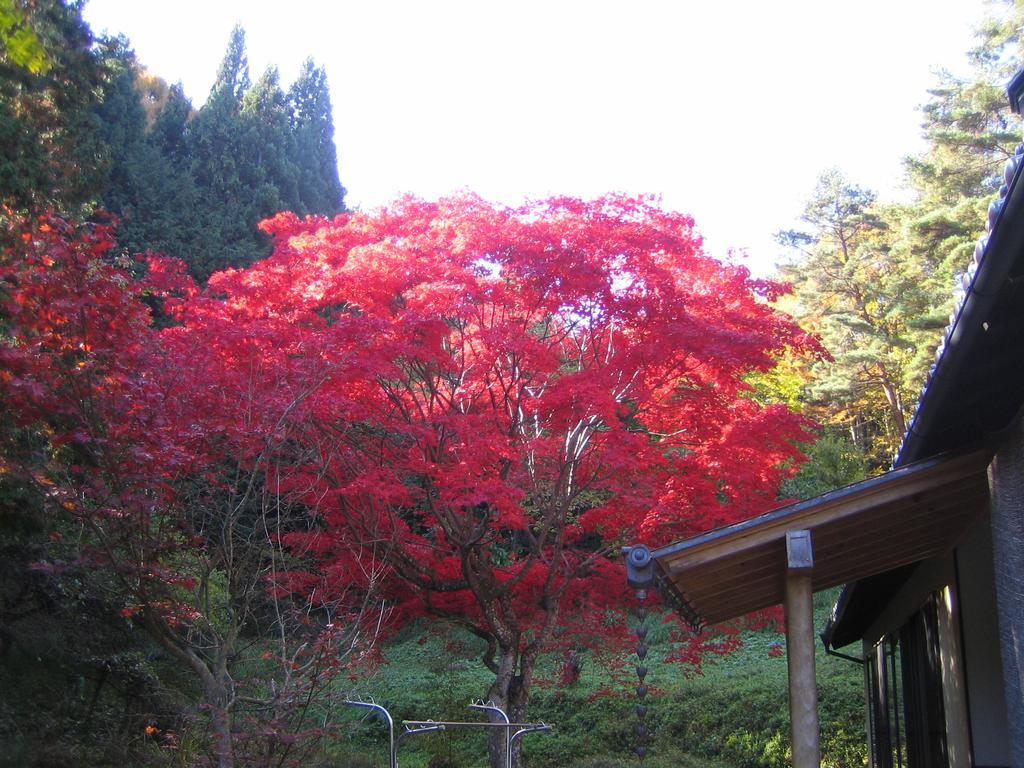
(734, 713)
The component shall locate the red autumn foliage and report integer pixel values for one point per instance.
(472, 408)
(118, 435)
(78, 362)
(481, 404)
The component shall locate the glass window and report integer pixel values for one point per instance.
(904, 680)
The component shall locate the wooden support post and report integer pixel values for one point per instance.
(803, 691)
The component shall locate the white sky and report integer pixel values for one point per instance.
(728, 110)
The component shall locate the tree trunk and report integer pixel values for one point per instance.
(509, 692)
(220, 725)
(214, 679)
(895, 402)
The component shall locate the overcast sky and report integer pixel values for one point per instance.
(728, 110)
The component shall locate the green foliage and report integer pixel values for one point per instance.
(353, 761)
(316, 156)
(80, 683)
(854, 290)
(971, 131)
(785, 383)
(83, 127)
(252, 151)
(875, 280)
(832, 462)
(21, 44)
(144, 185)
(50, 151)
(266, 121)
(149, 181)
(737, 711)
(668, 759)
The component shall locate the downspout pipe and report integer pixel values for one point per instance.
(832, 652)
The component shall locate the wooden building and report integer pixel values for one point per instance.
(931, 553)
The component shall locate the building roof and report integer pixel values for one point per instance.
(870, 527)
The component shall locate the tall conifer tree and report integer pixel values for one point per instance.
(227, 180)
(313, 125)
(971, 131)
(271, 146)
(855, 292)
(255, 151)
(149, 182)
(232, 80)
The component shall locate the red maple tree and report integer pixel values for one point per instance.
(487, 402)
(157, 494)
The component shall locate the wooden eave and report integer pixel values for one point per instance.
(904, 516)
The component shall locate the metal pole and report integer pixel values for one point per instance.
(466, 724)
(372, 705)
(414, 728)
(489, 706)
(522, 732)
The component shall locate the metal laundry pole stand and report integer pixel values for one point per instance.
(513, 731)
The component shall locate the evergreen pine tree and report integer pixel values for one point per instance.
(971, 132)
(855, 291)
(232, 79)
(224, 172)
(271, 147)
(877, 280)
(170, 123)
(122, 122)
(255, 151)
(313, 126)
(82, 126)
(148, 184)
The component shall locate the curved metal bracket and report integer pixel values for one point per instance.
(489, 706)
(428, 726)
(370, 704)
(532, 729)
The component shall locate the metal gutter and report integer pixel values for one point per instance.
(1015, 91)
(794, 510)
